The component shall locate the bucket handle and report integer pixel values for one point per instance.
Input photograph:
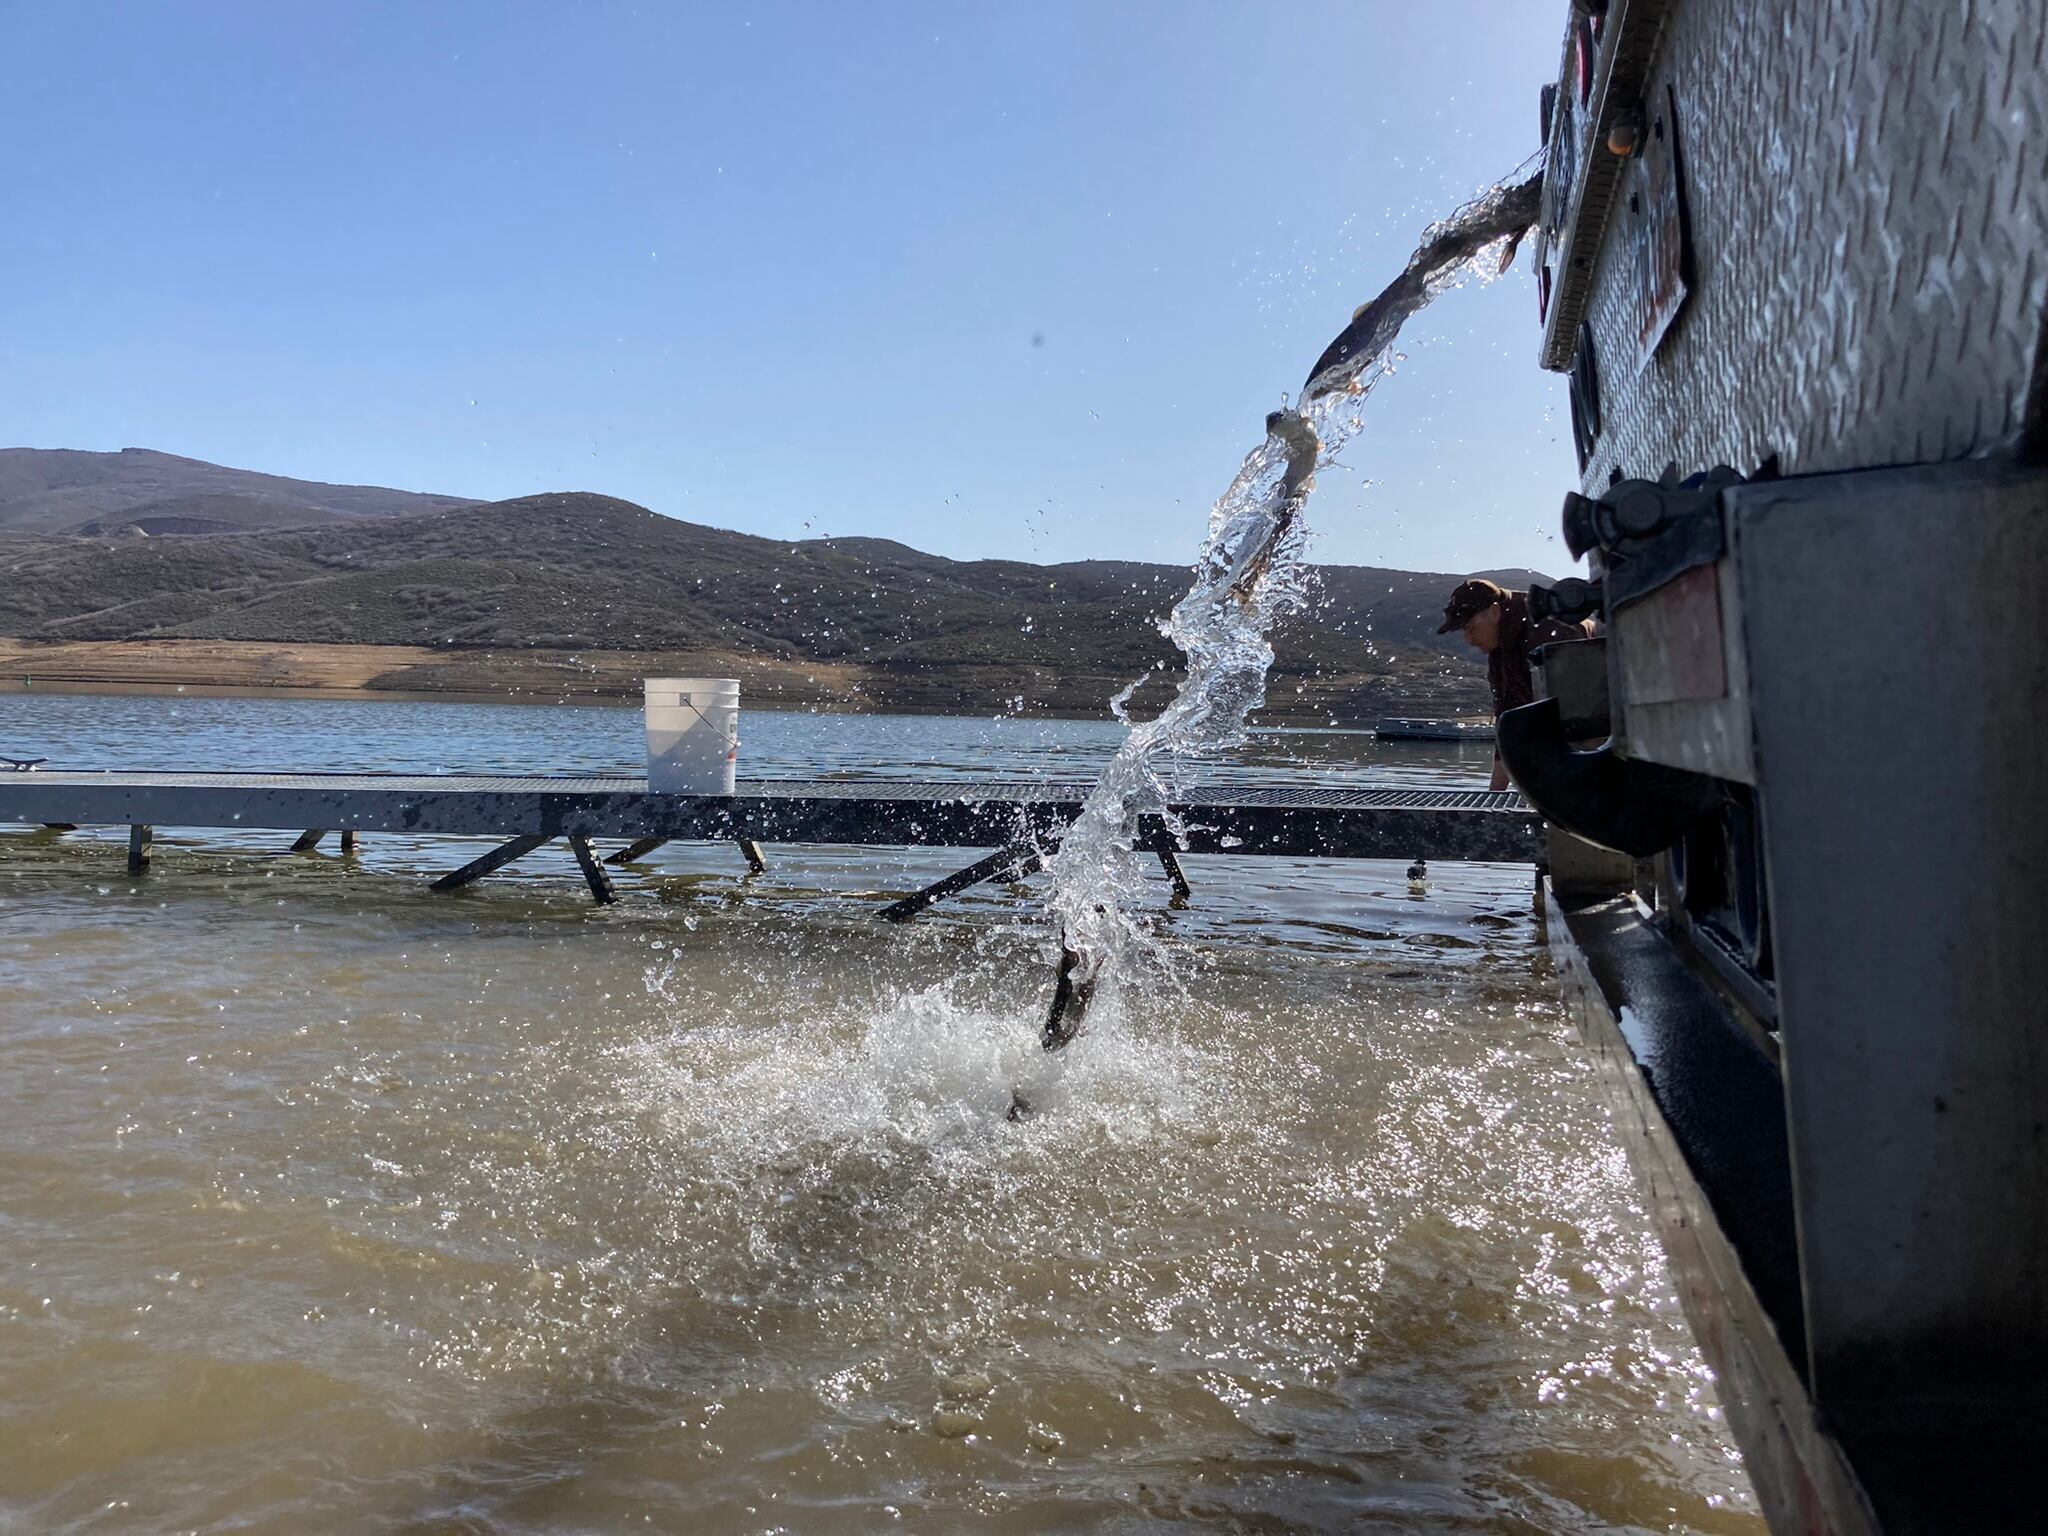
(732, 738)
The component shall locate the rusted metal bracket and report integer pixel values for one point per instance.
(518, 848)
(594, 873)
(1182, 891)
(635, 851)
(1006, 864)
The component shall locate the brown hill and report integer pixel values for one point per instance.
(64, 490)
(571, 572)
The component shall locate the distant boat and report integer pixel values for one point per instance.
(1404, 728)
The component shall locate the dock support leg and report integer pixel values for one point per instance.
(1181, 889)
(751, 852)
(1011, 863)
(139, 840)
(348, 842)
(308, 840)
(1023, 869)
(497, 858)
(634, 852)
(594, 873)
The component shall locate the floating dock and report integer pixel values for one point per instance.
(1414, 728)
(1021, 820)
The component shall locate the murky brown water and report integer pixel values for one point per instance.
(331, 1204)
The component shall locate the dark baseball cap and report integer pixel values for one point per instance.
(1474, 596)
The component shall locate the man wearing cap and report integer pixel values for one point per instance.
(1497, 621)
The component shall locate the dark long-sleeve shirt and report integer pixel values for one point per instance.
(1507, 666)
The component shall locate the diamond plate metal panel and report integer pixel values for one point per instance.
(1869, 215)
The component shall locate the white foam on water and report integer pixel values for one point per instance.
(937, 1068)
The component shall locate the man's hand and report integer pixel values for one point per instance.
(1500, 773)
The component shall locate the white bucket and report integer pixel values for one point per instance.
(693, 735)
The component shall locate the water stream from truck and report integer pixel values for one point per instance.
(1250, 573)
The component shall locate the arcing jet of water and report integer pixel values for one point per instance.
(1233, 573)
(1249, 574)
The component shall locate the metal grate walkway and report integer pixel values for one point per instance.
(1276, 820)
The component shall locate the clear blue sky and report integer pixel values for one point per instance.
(1013, 280)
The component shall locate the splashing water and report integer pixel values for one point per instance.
(1250, 574)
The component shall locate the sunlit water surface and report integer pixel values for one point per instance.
(329, 1203)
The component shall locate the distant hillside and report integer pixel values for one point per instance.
(573, 572)
(61, 490)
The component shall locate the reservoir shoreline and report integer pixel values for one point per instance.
(261, 669)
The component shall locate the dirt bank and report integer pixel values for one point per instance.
(549, 676)
(241, 666)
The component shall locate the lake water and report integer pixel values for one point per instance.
(332, 1204)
